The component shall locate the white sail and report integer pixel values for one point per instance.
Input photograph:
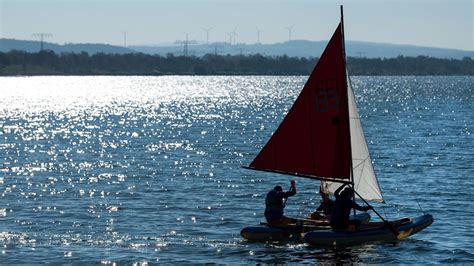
(365, 181)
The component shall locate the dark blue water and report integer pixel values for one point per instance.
(148, 169)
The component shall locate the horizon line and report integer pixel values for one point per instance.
(203, 43)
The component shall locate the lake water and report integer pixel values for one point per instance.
(149, 169)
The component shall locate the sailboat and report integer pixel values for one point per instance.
(321, 138)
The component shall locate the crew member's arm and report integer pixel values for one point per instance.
(292, 190)
(361, 208)
(338, 191)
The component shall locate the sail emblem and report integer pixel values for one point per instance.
(327, 98)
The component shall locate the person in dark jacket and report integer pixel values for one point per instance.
(274, 205)
(324, 210)
(342, 209)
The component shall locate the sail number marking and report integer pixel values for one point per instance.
(327, 96)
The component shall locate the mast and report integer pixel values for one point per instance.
(347, 91)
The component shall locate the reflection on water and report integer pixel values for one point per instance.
(148, 169)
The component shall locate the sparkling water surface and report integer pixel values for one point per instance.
(149, 169)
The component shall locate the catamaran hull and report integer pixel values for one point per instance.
(332, 238)
(265, 233)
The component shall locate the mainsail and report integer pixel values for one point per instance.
(313, 139)
(316, 137)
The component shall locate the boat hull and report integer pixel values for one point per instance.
(266, 233)
(382, 233)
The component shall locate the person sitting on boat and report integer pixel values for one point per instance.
(342, 209)
(323, 212)
(274, 205)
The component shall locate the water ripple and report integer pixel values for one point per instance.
(148, 169)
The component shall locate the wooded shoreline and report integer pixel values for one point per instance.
(47, 62)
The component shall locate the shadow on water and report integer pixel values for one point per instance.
(287, 253)
(378, 253)
(333, 256)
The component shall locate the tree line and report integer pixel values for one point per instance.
(47, 62)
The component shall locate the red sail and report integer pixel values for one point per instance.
(314, 138)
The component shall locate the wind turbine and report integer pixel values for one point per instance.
(258, 34)
(289, 28)
(230, 37)
(234, 33)
(207, 30)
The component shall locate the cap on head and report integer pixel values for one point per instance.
(347, 192)
(278, 188)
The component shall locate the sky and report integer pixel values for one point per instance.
(433, 23)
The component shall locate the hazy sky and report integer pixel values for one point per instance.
(436, 23)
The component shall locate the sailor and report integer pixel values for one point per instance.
(274, 205)
(342, 209)
(325, 208)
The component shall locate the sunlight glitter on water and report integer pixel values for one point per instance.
(118, 169)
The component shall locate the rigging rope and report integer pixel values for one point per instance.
(420, 206)
(384, 213)
(399, 208)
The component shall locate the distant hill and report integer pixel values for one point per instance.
(34, 46)
(298, 48)
(302, 48)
